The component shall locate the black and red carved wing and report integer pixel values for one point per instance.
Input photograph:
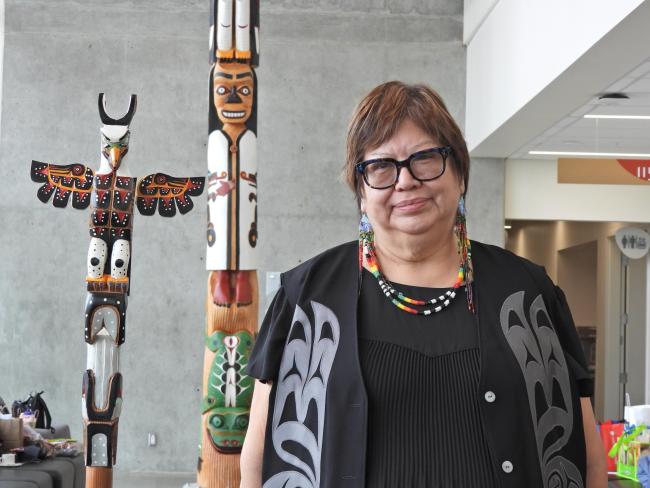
(167, 193)
(64, 181)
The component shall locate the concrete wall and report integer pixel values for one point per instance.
(475, 12)
(2, 51)
(486, 200)
(318, 59)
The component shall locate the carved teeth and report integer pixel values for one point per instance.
(232, 115)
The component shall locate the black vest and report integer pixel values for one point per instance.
(533, 373)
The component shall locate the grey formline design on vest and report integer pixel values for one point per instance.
(304, 373)
(542, 362)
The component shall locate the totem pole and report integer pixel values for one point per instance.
(112, 192)
(232, 298)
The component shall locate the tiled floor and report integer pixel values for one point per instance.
(152, 480)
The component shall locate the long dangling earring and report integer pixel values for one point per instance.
(366, 236)
(465, 251)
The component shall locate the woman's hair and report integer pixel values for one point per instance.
(381, 112)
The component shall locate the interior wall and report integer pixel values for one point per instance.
(541, 242)
(530, 239)
(576, 275)
(637, 330)
(533, 193)
(317, 61)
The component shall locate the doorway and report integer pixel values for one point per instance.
(608, 297)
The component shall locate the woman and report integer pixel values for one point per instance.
(415, 357)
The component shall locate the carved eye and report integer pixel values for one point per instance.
(217, 421)
(221, 90)
(242, 421)
(244, 90)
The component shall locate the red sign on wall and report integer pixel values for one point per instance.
(603, 171)
(638, 167)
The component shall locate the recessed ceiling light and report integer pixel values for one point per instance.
(591, 154)
(614, 96)
(627, 117)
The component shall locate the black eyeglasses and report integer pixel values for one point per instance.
(425, 165)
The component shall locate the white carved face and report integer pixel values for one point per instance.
(115, 143)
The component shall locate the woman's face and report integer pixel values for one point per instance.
(411, 206)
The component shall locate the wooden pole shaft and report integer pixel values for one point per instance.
(99, 477)
(216, 469)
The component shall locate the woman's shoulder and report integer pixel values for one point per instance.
(342, 260)
(346, 252)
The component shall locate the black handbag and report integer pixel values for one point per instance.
(37, 406)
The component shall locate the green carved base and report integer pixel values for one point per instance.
(230, 391)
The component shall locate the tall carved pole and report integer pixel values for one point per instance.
(232, 297)
(112, 192)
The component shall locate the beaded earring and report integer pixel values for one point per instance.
(366, 235)
(465, 251)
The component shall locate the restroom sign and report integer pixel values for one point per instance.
(633, 242)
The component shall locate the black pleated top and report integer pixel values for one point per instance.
(421, 375)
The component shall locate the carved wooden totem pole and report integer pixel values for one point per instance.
(111, 192)
(232, 298)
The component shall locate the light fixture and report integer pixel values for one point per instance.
(591, 154)
(624, 117)
(614, 96)
(507, 227)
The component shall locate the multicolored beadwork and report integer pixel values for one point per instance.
(366, 234)
(465, 252)
(397, 298)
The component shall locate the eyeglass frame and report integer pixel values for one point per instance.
(444, 151)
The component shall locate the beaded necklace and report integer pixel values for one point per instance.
(397, 298)
(400, 300)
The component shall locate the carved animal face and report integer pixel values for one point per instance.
(233, 92)
(227, 428)
(115, 143)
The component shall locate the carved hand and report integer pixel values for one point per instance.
(225, 187)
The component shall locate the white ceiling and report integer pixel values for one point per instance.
(575, 133)
(552, 118)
